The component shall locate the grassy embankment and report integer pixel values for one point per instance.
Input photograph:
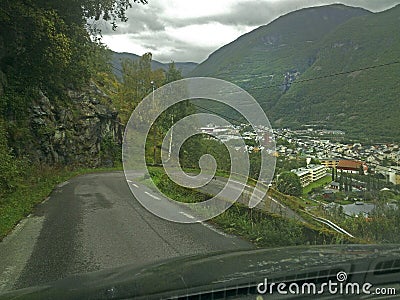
(260, 227)
(319, 183)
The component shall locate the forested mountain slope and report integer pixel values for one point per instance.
(365, 102)
(276, 62)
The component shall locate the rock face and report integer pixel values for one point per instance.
(82, 130)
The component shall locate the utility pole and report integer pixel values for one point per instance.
(170, 140)
(154, 130)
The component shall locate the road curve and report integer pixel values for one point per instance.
(268, 203)
(93, 222)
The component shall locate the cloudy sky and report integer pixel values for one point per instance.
(190, 30)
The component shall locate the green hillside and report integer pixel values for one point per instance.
(262, 57)
(364, 103)
(311, 43)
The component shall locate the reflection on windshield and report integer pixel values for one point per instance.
(184, 145)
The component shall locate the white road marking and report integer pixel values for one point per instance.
(62, 184)
(213, 229)
(277, 202)
(243, 184)
(6, 277)
(130, 181)
(152, 196)
(235, 181)
(186, 215)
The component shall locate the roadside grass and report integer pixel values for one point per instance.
(306, 202)
(270, 230)
(33, 190)
(291, 202)
(319, 183)
(173, 190)
(263, 229)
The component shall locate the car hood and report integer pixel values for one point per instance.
(223, 271)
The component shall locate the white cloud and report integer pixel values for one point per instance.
(124, 43)
(184, 10)
(189, 30)
(208, 35)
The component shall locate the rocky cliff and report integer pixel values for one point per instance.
(81, 130)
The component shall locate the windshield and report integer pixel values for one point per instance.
(250, 143)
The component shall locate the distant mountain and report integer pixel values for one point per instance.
(272, 62)
(117, 58)
(365, 103)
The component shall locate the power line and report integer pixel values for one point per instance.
(294, 82)
(201, 107)
(308, 80)
(318, 77)
(330, 75)
(218, 114)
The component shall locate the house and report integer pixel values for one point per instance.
(351, 166)
(328, 195)
(394, 177)
(335, 185)
(329, 162)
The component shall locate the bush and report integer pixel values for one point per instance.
(9, 167)
(110, 152)
(289, 184)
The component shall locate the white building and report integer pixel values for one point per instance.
(310, 174)
(304, 176)
(317, 172)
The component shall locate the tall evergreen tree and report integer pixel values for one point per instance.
(350, 184)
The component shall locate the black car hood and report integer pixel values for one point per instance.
(194, 275)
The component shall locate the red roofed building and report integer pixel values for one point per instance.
(351, 166)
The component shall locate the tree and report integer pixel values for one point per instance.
(172, 74)
(369, 182)
(79, 11)
(333, 174)
(137, 78)
(350, 184)
(341, 181)
(346, 184)
(361, 170)
(255, 164)
(289, 183)
(47, 46)
(177, 111)
(50, 39)
(137, 82)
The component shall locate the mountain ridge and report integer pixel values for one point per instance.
(366, 94)
(293, 48)
(249, 37)
(117, 57)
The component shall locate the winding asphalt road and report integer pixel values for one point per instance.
(93, 222)
(267, 203)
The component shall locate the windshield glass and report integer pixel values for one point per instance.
(153, 140)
